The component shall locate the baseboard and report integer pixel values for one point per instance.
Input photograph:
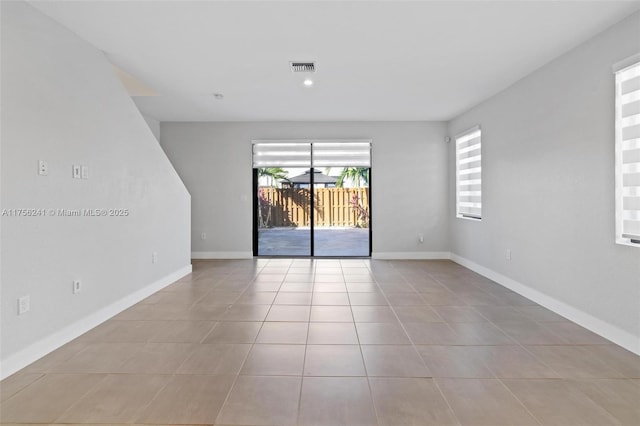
(221, 255)
(408, 255)
(411, 255)
(588, 321)
(52, 342)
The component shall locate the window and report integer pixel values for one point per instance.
(469, 174)
(628, 154)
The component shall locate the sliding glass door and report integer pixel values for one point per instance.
(312, 198)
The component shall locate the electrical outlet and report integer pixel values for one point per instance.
(508, 254)
(85, 172)
(421, 238)
(203, 236)
(76, 171)
(77, 286)
(43, 168)
(24, 304)
(154, 257)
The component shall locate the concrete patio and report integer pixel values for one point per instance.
(328, 242)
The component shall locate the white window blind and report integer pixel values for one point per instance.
(281, 154)
(311, 154)
(341, 154)
(628, 154)
(469, 174)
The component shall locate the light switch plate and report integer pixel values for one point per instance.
(43, 168)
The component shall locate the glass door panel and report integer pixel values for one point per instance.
(341, 212)
(283, 211)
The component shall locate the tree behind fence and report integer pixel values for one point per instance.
(344, 207)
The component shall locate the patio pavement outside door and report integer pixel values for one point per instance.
(352, 242)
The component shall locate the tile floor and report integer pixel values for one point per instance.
(331, 342)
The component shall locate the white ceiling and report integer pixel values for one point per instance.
(376, 60)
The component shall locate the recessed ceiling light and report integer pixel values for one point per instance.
(218, 96)
(307, 82)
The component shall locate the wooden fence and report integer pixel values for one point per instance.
(344, 207)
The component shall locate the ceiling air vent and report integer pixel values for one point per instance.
(303, 66)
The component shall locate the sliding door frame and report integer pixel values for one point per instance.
(256, 212)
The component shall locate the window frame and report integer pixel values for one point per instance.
(457, 140)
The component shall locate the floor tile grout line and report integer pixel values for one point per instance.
(105, 375)
(21, 389)
(519, 401)
(201, 342)
(446, 401)
(364, 364)
(608, 410)
(142, 411)
(304, 359)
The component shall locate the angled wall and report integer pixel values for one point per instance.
(62, 103)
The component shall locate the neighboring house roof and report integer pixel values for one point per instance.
(318, 177)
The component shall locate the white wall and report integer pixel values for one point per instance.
(154, 126)
(548, 189)
(62, 103)
(409, 181)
